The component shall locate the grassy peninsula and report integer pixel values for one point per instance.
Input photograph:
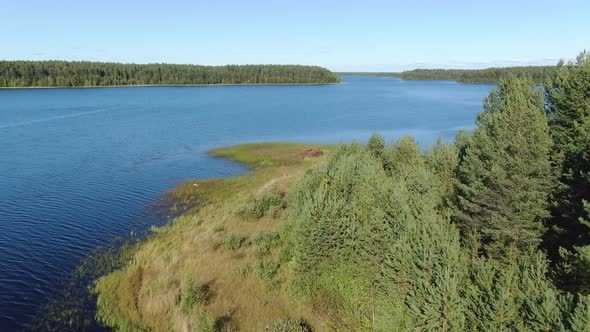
(24, 74)
(490, 232)
(219, 264)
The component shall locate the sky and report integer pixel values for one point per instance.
(364, 35)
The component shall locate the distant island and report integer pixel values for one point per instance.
(489, 75)
(27, 74)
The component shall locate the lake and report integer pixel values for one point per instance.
(79, 167)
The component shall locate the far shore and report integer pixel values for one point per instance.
(160, 85)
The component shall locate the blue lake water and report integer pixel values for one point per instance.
(80, 166)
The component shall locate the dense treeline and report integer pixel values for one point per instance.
(489, 75)
(86, 74)
(488, 233)
(538, 74)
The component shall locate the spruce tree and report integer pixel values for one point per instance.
(568, 100)
(443, 160)
(505, 176)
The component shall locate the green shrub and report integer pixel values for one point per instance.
(265, 242)
(268, 204)
(194, 295)
(443, 160)
(218, 228)
(267, 270)
(289, 325)
(376, 145)
(402, 157)
(233, 242)
(243, 270)
(203, 322)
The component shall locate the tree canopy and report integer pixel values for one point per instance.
(390, 237)
(373, 250)
(506, 175)
(88, 74)
(568, 110)
(489, 75)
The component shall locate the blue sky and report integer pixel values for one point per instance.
(341, 35)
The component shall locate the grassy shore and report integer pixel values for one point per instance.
(219, 264)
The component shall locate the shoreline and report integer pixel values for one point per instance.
(164, 85)
(210, 218)
(266, 164)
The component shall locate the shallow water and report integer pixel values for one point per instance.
(80, 166)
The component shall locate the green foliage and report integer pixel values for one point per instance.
(265, 242)
(194, 295)
(443, 161)
(243, 270)
(462, 142)
(372, 244)
(233, 242)
(267, 269)
(579, 319)
(125, 315)
(376, 145)
(506, 175)
(203, 322)
(70, 74)
(268, 204)
(489, 75)
(568, 100)
(402, 157)
(518, 296)
(575, 268)
(288, 325)
(265, 155)
(373, 251)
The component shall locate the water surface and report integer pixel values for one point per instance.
(79, 166)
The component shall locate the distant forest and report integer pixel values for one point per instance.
(88, 74)
(489, 75)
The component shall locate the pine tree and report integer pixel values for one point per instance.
(506, 175)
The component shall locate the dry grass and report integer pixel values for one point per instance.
(148, 293)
